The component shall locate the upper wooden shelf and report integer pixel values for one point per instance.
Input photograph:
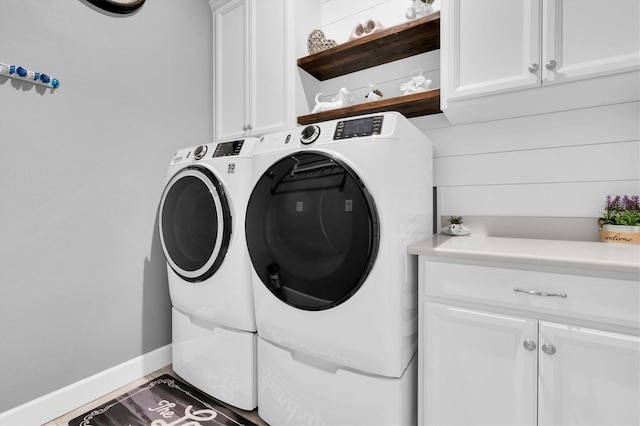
(387, 45)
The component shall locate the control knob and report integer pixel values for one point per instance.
(200, 152)
(310, 134)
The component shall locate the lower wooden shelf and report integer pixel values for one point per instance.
(414, 105)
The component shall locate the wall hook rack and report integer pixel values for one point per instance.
(21, 73)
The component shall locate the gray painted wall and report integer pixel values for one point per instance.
(82, 277)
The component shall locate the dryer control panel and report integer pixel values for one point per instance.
(358, 127)
(225, 149)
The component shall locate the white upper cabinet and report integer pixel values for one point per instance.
(253, 63)
(488, 46)
(493, 49)
(231, 66)
(583, 39)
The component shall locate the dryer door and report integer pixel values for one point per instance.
(312, 230)
(195, 223)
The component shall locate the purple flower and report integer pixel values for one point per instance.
(632, 203)
(613, 204)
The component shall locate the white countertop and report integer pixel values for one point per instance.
(608, 257)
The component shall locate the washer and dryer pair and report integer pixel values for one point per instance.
(329, 211)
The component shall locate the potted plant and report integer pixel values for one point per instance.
(456, 227)
(620, 221)
(374, 94)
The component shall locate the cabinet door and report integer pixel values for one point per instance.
(477, 370)
(488, 46)
(591, 378)
(271, 60)
(231, 45)
(589, 38)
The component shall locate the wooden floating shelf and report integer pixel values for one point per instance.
(414, 105)
(380, 47)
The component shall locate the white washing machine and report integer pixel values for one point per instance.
(201, 224)
(332, 210)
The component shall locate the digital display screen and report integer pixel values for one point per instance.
(228, 148)
(358, 127)
(361, 126)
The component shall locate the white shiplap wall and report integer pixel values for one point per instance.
(559, 164)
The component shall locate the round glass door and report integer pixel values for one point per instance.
(312, 230)
(195, 223)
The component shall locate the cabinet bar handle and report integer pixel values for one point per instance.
(540, 293)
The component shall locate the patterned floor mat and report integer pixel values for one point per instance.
(164, 401)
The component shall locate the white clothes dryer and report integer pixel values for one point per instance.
(332, 210)
(201, 225)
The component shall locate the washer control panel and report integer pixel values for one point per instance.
(358, 127)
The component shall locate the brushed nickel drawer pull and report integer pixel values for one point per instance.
(541, 293)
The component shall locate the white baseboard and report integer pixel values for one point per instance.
(60, 402)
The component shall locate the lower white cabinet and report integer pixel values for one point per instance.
(520, 365)
(587, 376)
(476, 372)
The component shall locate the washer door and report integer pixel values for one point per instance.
(312, 230)
(195, 223)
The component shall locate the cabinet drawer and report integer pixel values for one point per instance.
(590, 298)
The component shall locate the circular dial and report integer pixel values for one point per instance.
(309, 134)
(200, 152)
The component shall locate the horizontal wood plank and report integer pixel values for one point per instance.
(414, 105)
(387, 45)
